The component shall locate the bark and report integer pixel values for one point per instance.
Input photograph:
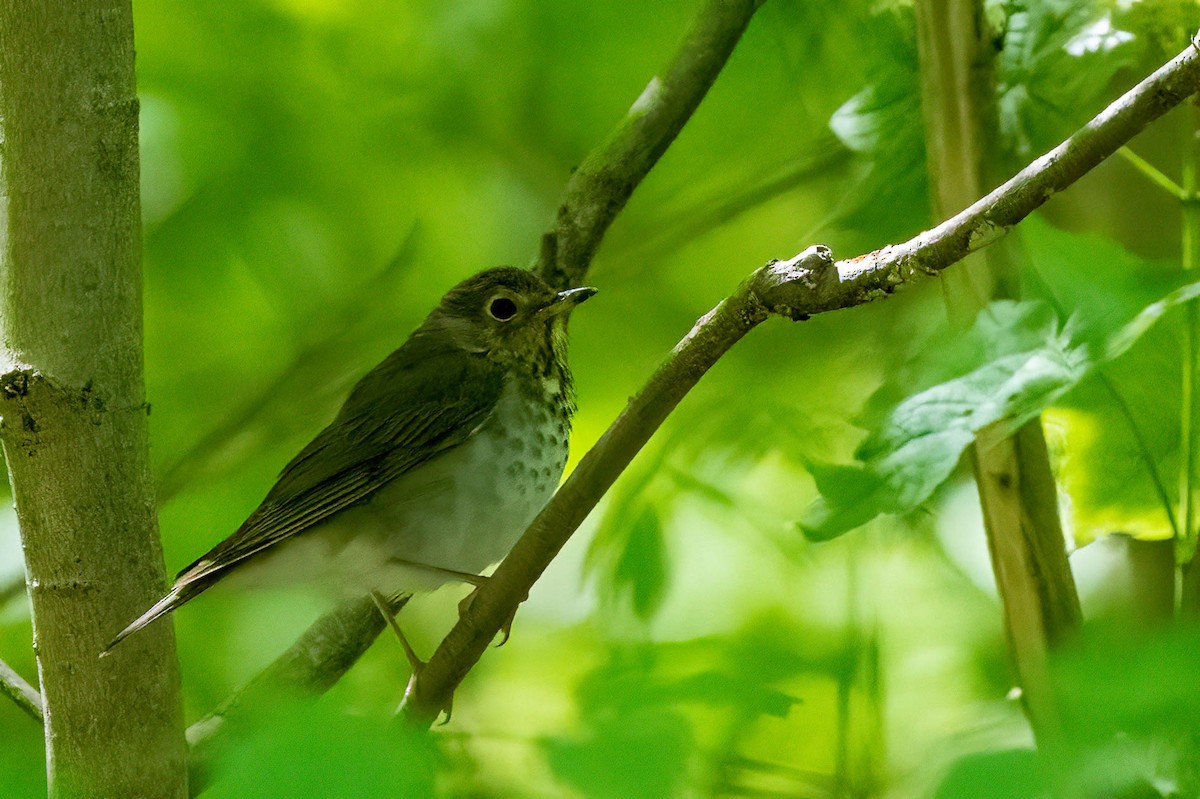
(72, 399)
(1016, 487)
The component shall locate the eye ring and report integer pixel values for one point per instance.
(502, 309)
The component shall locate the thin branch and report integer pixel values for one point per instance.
(598, 190)
(603, 183)
(13, 686)
(1189, 411)
(1153, 174)
(808, 284)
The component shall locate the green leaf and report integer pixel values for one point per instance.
(318, 750)
(1120, 427)
(919, 444)
(849, 497)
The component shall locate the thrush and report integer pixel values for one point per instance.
(438, 460)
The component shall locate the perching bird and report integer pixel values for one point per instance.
(437, 462)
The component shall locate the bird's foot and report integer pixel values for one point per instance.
(415, 662)
(505, 629)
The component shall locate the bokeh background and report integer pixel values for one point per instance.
(316, 173)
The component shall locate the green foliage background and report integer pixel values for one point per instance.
(318, 172)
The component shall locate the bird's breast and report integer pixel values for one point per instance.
(464, 509)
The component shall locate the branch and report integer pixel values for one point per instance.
(13, 686)
(597, 191)
(603, 183)
(808, 284)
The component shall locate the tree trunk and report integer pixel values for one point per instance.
(1016, 486)
(74, 414)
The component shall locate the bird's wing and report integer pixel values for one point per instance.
(423, 400)
(417, 404)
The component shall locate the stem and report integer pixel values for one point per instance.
(1189, 415)
(1151, 173)
(1017, 493)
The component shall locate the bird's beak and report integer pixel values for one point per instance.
(564, 301)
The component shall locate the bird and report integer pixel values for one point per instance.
(438, 460)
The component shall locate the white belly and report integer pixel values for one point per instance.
(461, 511)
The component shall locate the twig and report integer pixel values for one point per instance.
(603, 183)
(808, 284)
(1152, 173)
(13, 686)
(1189, 389)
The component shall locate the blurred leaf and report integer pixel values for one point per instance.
(644, 754)
(1119, 428)
(321, 752)
(882, 123)
(1003, 774)
(1093, 678)
(1118, 441)
(1058, 58)
(1136, 743)
(641, 568)
(23, 755)
(849, 498)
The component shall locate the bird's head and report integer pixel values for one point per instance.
(509, 313)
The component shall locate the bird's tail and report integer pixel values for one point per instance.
(176, 597)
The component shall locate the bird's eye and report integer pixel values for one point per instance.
(502, 309)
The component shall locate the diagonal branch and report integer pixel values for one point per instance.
(603, 183)
(13, 686)
(808, 284)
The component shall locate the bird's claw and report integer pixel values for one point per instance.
(505, 628)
